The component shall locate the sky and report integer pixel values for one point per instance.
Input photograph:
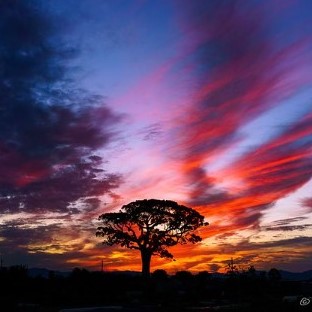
(207, 103)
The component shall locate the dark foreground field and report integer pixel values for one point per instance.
(125, 292)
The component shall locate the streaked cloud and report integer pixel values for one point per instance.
(189, 87)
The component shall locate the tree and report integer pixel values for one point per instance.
(231, 269)
(151, 226)
(274, 275)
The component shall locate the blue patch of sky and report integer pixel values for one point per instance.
(120, 41)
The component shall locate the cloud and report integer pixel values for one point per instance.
(247, 245)
(280, 166)
(266, 173)
(240, 72)
(17, 236)
(287, 225)
(151, 132)
(288, 220)
(50, 129)
(289, 228)
(225, 235)
(204, 191)
(38, 240)
(307, 202)
(290, 254)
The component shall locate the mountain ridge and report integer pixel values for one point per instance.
(285, 275)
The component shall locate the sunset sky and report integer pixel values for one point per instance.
(207, 103)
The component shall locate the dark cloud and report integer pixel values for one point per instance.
(307, 202)
(17, 236)
(32, 242)
(287, 225)
(61, 188)
(290, 254)
(56, 261)
(289, 228)
(225, 235)
(288, 221)
(249, 218)
(204, 191)
(246, 245)
(49, 127)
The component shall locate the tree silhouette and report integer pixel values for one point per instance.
(231, 268)
(274, 274)
(151, 226)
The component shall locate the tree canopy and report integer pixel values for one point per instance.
(151, 226)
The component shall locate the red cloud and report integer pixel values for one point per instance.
(242, 72)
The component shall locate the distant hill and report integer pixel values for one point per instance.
(45, 273)
(286, 275)
(292, 276)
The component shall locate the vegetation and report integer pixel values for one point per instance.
(151, 226)
(21, 290)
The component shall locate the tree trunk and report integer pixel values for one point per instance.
(146, 262)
